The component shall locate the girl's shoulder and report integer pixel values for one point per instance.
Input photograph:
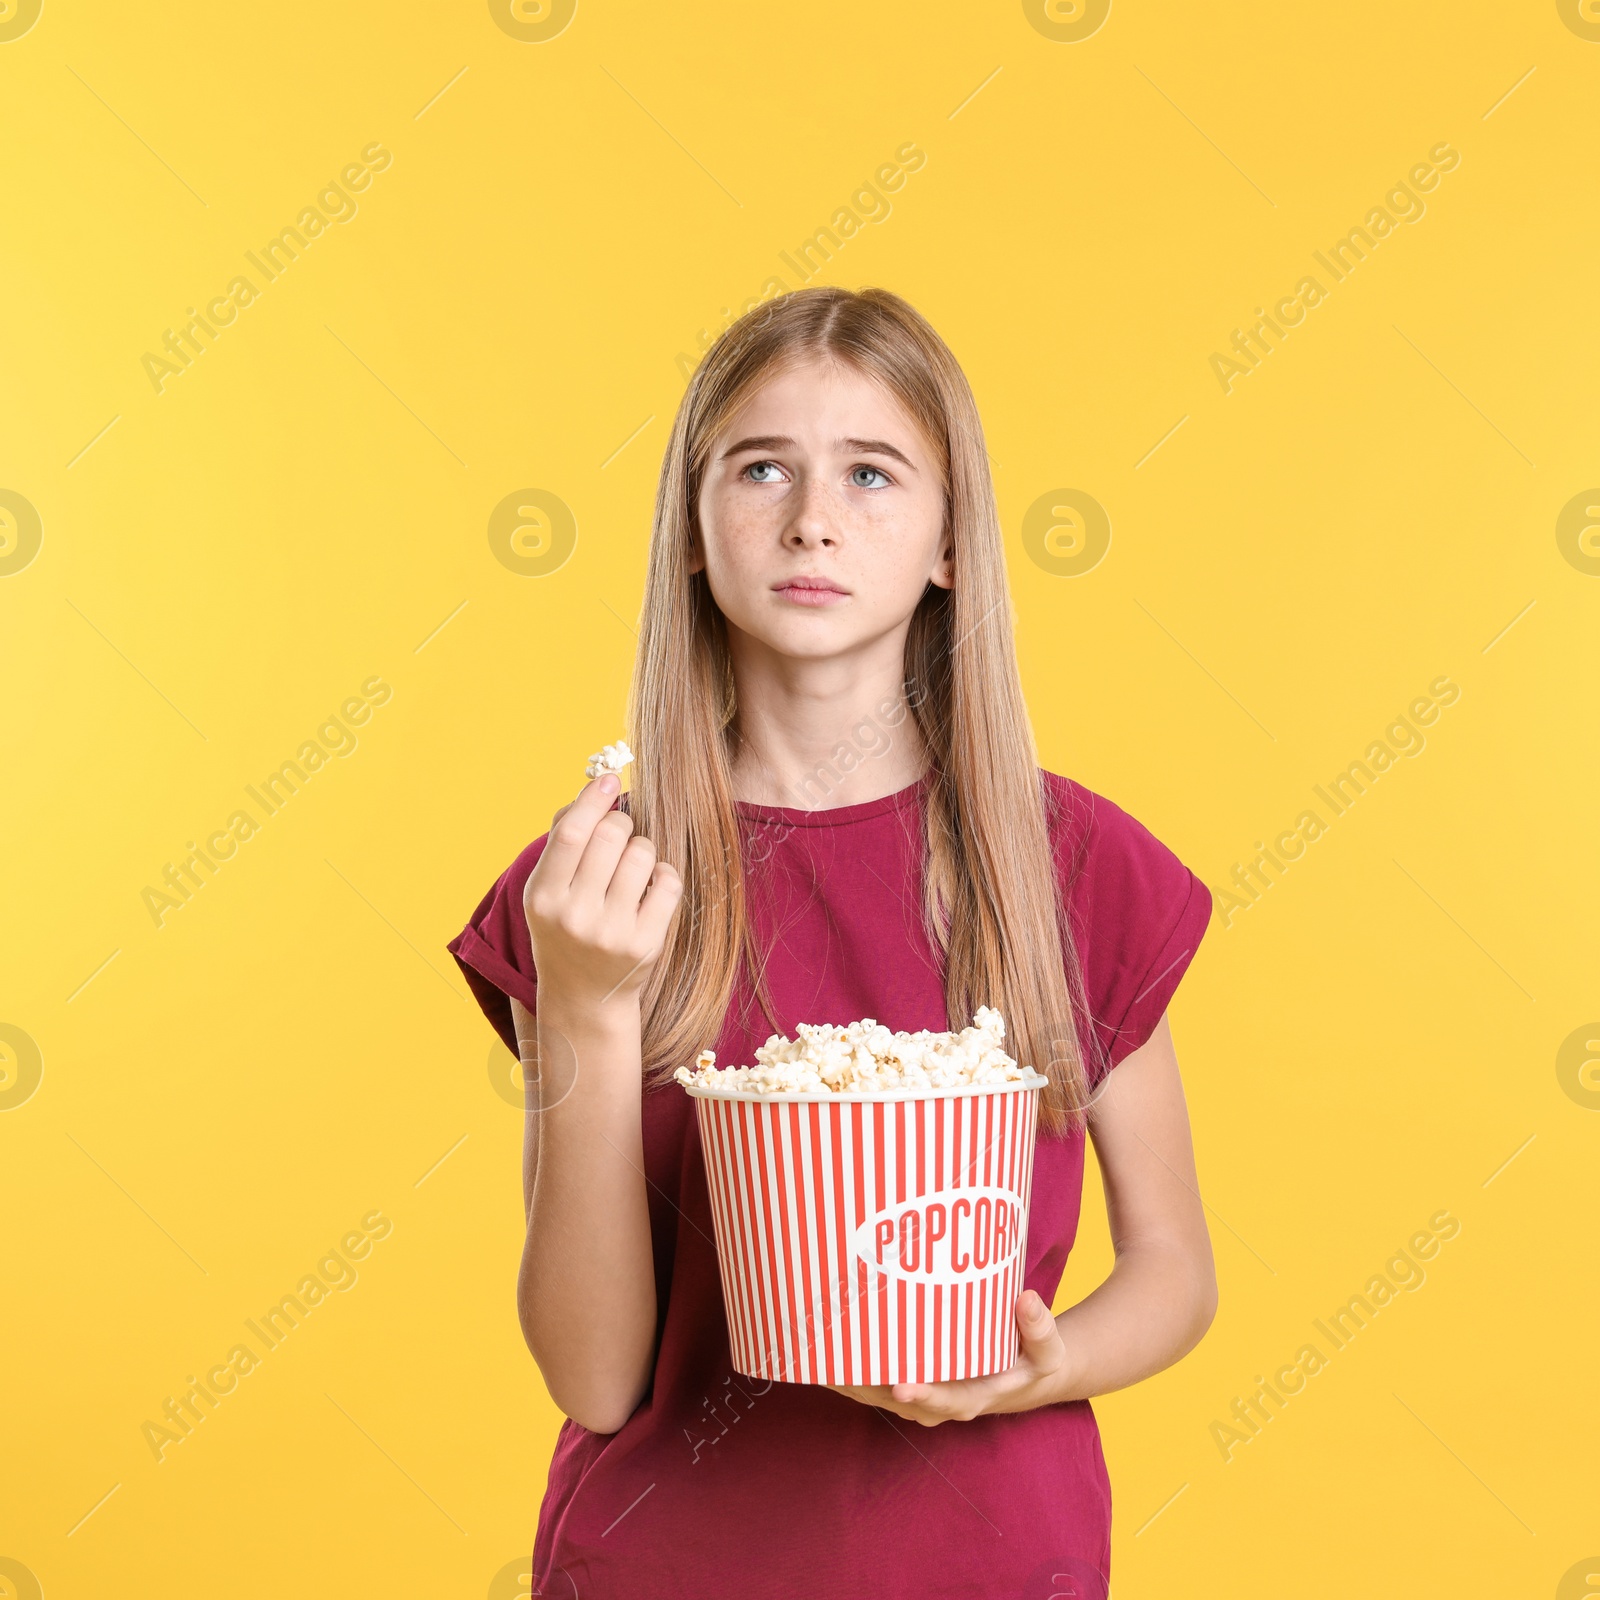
(1138, 915)
(1084, 823)
(1114, 868)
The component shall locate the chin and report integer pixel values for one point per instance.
(805, 635)
(819, 639)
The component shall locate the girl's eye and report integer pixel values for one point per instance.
(760, 467)
(855, 477)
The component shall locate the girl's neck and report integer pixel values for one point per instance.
(820, 735)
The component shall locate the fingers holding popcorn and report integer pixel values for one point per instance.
(598, 902)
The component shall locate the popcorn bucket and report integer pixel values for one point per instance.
(871, 1240)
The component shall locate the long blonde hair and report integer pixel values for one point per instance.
(989, 891)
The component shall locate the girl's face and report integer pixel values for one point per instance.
(822, 478)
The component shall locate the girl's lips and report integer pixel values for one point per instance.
(810, 597)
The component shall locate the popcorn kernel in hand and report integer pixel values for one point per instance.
(613, 758)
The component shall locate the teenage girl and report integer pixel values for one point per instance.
(835, 812)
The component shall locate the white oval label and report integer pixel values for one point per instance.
(955, 1237)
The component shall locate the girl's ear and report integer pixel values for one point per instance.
(944, 569)
(697, 558)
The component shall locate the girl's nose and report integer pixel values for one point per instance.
(812, 522)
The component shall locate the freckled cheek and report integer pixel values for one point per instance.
(895, 539)
(744, 539)
(738, 545)
(736, 518)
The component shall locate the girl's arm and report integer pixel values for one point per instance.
(1162, 1292)
(586, 1287)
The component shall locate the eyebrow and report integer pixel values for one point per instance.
(782, 441)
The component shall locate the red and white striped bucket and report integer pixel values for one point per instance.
(867, 1241)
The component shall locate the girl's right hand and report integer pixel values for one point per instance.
(598, 902)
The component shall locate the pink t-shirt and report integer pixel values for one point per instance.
(721, 1485)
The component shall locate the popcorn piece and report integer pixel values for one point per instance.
(866, 1059)
(611, 759)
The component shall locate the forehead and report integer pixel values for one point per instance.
(815, 402)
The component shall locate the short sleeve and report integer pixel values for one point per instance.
(494, 951)
(1138, 915)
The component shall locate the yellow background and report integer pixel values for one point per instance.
(308, 503)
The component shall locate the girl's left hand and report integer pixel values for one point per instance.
(1037, 1379)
